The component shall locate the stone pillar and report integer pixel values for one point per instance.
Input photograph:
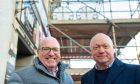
(7, 10)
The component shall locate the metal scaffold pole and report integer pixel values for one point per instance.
(114, 39)
(70, 38)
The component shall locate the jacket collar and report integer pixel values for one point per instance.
(115, 69)
(38, 65)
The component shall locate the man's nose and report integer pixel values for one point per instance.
(101, 49)
(51, 52)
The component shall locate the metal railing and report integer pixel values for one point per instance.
(92, 9)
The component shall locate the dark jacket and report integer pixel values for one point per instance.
(119, 73)
(37, 74)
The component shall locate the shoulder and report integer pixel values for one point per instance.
(88, 74)
(126, 66)
(88, 77)
(68, 76)
(133, 69)
(24, 72)
(132, 66)
(62, 66)
(18, 76)
(25, 69)
(65, 76)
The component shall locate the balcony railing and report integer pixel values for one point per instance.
(95, 9)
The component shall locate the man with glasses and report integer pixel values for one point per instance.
(47, 67)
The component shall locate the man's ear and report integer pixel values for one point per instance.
(114, 46)
(38, 51)
(115, 51)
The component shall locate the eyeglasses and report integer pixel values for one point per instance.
(48, 49)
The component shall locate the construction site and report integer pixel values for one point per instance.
(73, 22)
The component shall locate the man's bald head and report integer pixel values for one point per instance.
(100, 36)
(49, 40)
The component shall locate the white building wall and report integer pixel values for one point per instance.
(7, 9)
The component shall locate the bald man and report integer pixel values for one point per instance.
(108, 69)
(47, 67)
